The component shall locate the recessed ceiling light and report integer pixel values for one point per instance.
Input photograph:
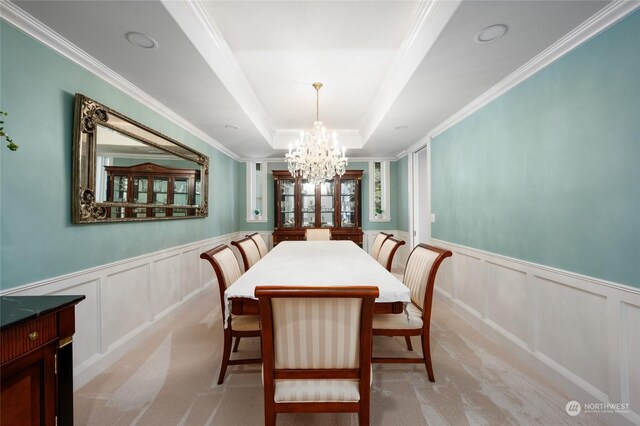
(491, 33)
(141, 40)
(231, 126)
(404, 126)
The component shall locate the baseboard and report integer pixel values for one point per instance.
(579, 332)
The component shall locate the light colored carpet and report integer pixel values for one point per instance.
(170, 379)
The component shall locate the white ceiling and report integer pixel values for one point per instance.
(251, 64)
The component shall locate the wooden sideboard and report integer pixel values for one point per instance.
(36, 357)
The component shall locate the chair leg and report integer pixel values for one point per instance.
(426, 353)
(235, 346)
(408, 340)
(226, 353)
(269, 415)
(364, 415)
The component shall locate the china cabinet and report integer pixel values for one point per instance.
(333, 204)
(151, 190)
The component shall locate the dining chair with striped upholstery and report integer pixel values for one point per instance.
(388, 250)
(317, 234)
(227, 270)
(316, 349)
(420, 277)
(248, 250)
(262, 245)
(377, 243)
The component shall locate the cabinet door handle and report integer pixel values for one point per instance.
(33, 335)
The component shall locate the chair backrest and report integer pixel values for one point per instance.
(387, 251)
(262, 245)
(317, 234)
(320, 332)
(248, 250)
(420, 274)
(377, 243)
(226, 268)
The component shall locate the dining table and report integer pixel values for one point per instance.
(317, 263)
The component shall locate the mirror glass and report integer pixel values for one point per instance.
(125, 171)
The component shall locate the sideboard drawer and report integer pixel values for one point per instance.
(23, 338)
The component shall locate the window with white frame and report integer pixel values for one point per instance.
(379, 191)
(256, 192)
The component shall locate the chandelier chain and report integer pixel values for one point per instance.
(318, 102)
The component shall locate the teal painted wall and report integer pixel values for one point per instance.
(402, 180)
(355, 165)
(37, 88)
(550, 171)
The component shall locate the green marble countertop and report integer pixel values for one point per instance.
(16, 309)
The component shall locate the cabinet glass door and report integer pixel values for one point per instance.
(180, 195)
(120, 187)
(120, 191)
(308, 205)
(140, 195)
(287, 203)
(326, 204)
(198, 186)
(348, 203)
(160, 186)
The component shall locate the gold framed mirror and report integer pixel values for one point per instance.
(124, 171)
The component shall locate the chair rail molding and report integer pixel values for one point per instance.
(580, 332)
(147, 287)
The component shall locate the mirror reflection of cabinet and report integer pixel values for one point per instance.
(333, 204)
(164, 190)
(104, 137)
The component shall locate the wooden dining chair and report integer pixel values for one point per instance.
(387, 251)
(248, 250)
(262, 245)
(420, 277)
(227, 271)
(317, 234)
(377, 244)
(316, 349)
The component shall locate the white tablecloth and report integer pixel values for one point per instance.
(325, 263)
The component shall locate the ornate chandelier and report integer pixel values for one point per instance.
(317, 156)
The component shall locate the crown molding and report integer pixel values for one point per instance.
(431, 18)
(593, 26)
(45, 35)
(192, 17)
(418, 145)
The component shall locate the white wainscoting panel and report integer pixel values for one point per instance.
(582, 333)
(508, 301)
(125, 303)
(632, 354)
(87, 332)
(166, 288)
(190, 271)
(571, 327)
(469, 285)
(124, 300)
